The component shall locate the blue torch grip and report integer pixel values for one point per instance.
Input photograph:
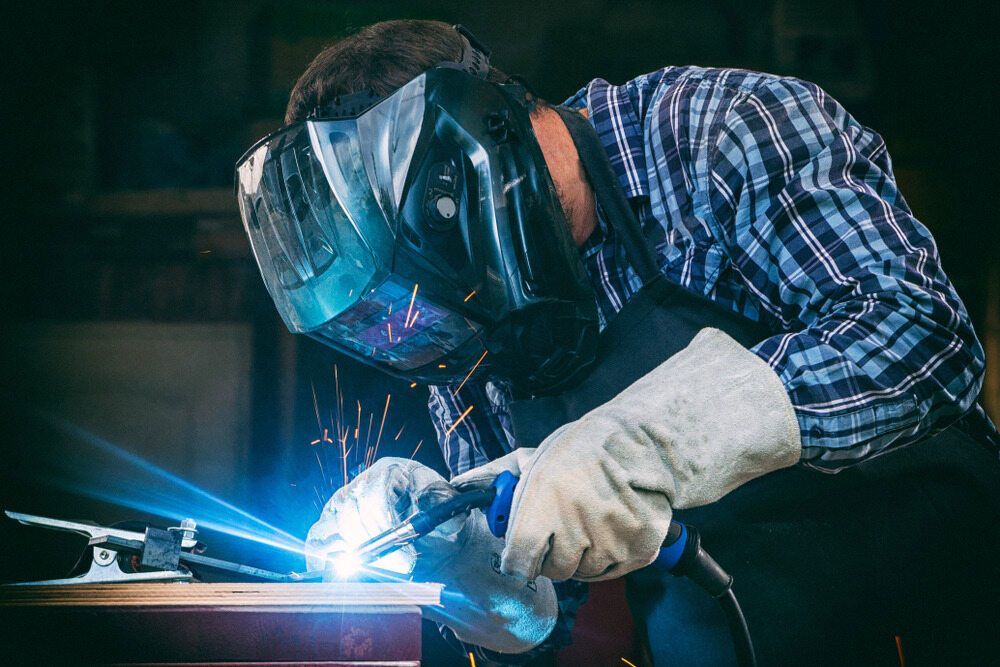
(498, 516)
(498, 511)
(673, 547)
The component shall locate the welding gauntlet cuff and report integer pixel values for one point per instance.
(595, 499)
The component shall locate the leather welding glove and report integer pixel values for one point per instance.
(595, 499)
(482, 606)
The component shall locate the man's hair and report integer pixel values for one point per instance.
(380, 57)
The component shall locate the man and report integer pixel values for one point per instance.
(833, 336)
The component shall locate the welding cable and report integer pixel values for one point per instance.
(428, 519)
(693, 562)
(697, 565)
(738, 629)
(681, 553)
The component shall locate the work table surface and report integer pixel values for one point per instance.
(206, 623)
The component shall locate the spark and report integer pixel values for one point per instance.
(388, 327)
(340, 401)
(409, 323)
(368, 437)
(472, 660)
(357, 427)
(899, 651)
(315, 442)
(442, 365)
(326, 435)
(333, 422)
(409, 309)
(343, 457)
(473, 370)
(412, 385)
(458, 421)
(322, 472)
(417, 448)
(399, 433)
(378, 439)
(469, 296)
(319, 421)
(512, 184)
(627, 662)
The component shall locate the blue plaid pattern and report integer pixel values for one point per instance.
(762, 193)
(765, 195)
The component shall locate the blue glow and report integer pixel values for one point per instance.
(176, 499)
(346, 564)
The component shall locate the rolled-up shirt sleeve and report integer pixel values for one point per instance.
(878, 350)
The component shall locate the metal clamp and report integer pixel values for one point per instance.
(106, 544)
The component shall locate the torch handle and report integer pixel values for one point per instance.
(498, 516)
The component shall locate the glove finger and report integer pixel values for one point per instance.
(523, 558)
(377, 505)
(485, 474)
(528, 541)
(368, 514)
(562, 560)
(596, 565)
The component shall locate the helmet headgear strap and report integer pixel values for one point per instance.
(475, 58)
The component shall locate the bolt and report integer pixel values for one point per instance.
(104, 554)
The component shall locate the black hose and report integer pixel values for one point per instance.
(738, 629)
(427, 520)
(697, 565)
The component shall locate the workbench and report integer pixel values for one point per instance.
(202, 623)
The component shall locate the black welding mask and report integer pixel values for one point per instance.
(421, 233)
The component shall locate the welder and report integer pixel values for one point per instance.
(687, 295)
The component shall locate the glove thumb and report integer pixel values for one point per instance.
(515, 462)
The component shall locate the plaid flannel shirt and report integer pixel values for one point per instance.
(764, 194)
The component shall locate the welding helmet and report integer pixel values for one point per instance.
(421, 233)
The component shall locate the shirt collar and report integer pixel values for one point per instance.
(619, 128)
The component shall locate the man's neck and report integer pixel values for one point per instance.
(563, 161)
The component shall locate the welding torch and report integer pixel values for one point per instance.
(681, 553)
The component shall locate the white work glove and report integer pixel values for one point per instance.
(594, 501)
(481, 605)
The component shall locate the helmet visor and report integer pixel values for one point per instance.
(319, 201)
(397, 325)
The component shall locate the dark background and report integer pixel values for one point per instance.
(135, 317)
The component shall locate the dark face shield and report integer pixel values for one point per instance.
(319, 201)
(420, 234)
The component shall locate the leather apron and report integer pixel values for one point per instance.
(829, 569)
